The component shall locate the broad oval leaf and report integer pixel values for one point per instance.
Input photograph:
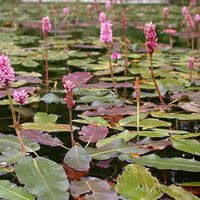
(9, 191)
(161, 163)
(43, 178)
(78, 159)
(136, 183)
(93, 133)
(95, 188)
(12, 141)
(43, 118)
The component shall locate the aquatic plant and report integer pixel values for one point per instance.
(102, 17)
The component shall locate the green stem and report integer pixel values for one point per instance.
(154, 80)
(191, 76)
(71, 128)
(111, 71)
(14, 121)
(18, 118)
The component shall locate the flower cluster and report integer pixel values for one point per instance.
(20, 97)
(46, 25)
(102, 17)
(115, 56)
(184, 10)
(69, 86)
(197, 18)
(108, 5)
(66, 11)
(106, 33)
(190, 21)
(151, 37)
(166, 12)
(191, 63)
(89, 9)
(7, 74)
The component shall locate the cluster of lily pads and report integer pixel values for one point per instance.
(131, 107)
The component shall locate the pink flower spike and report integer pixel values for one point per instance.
(66, 11)
(102, 17)
(115, 56)
(20, 97)
(46, 25)
(89, 9)
(151, 37)
(166, 12)
(7, 74)
(69, 86)
(184, 10)
(54, 11)
(106, 33)
(190, 21)
(108, 5)
(191, 63)
(197, 18)
(89, 6)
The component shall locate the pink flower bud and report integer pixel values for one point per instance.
(151, 37)
(7, 74)
(20, 97)
(69, 86)
(54, 11)
(191, 63)
(166, 12)
(108, 5)
(66, 11)
(46, 25)
(184, 10)
(190, 21)
(102, 17)
(197, 18)
(106, 33)
(115, 56)
(89, 9)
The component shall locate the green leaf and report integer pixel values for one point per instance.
(48, 127)
(126, 136)
(153, 133)
(43, 118)
(130, 119)
(150, 123)
(6, 169)
(30, 63)
(51, 98)
(165, 163)
(12, 141)
(192, 184)
(178, 193)
(175, 116)
(78, 159)
(9, 191)
(111, 149)
(186, 145)
(43, 178)
(136, 183)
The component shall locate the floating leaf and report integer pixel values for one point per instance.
(43, 177)
(10, 191)
(52, 98)
(111, 149)
(126, 136)
(99, 121)
(177, 193)
(93, 133)
(40, 137)
(43, 118)
(186, 145)
(136, 183)
(12, 141)
(192, 106)
(167, 163)
(48, 127)
(78, 159)
(30, 63)
(6, 169)
(100, 189)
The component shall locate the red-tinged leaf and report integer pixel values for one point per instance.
(104, 164)
(195, 96)
(29, 79)
(113, 119)
(193, 190)
(93, 188)
(93, 133)
(40, 137)
(106, 85)
(148, 143)
(73, 174)
(3, 93)
(77, 77)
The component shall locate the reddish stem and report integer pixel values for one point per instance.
(46, 55)
(154, 80)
